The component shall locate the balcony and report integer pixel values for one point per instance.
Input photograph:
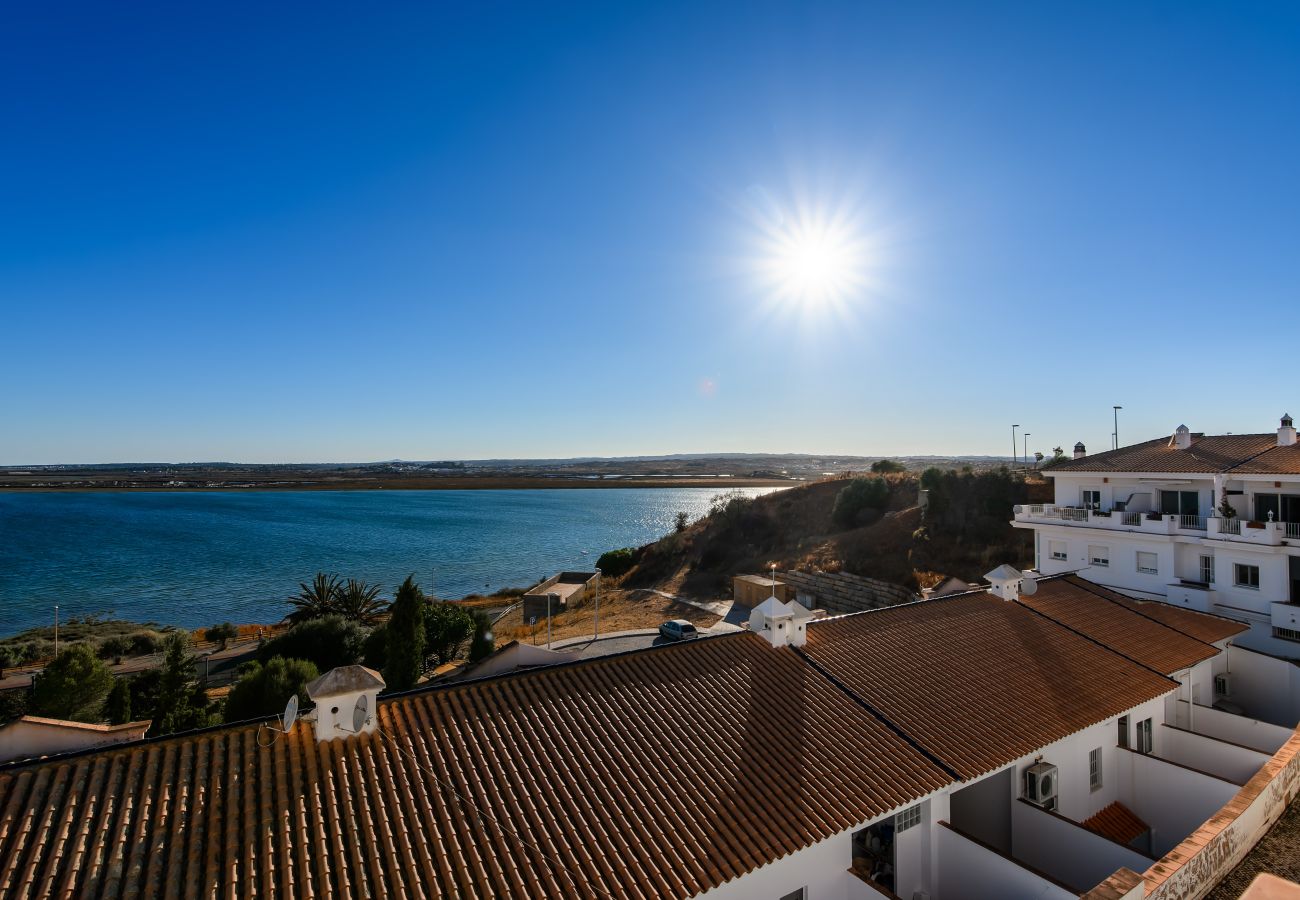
(1270, 534)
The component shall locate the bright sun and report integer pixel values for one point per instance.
(811, 258)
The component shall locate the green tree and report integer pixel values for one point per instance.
(13, 705)
(682, 521)
(9, 657)
(73, 686)
(117, 708)
(144, 693)
(405, 644)
(483, 642)
(263, 690)
(223, 633)
(446, 628)
(616, 562)
(179, 706)
(327, 643)
(316, 599)
(375, 651)
(114, 648)
(858, 497)
(359, 602)
(887, 467)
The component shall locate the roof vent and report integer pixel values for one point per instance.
(1005, 582)
(345, 701)
(1286, 434)
(1080, 451)
(1182, 437)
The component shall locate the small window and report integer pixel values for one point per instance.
(1122, 726)
(1220, 685)
(1247, 576)
(1098, 555)
(1058, 550)
(1094, 768)
(1207, 569)
(1091, 499)
(907, 818)
(1148, 563)
(1286, 634)
(801, 894)
(1144, 744)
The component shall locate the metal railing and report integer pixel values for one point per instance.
(1230, 526)
(1292, 529)
(1130, 518)
(1192, 523)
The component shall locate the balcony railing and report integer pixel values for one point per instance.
(1192, 523)
(1212, 527)
(1230, 526)
(1131, 518)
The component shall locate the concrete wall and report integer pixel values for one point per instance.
(972, 872)
(840, 592)
(822, 868)
(1253, 733)
(1066, 850)
(31, 737)
(1228, 761)
(984, 809)
(1173, 800)
(1264, 686)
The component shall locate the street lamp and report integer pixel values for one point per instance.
(597, 634)
(1026, 448)
(1014, 459)
(1115, 433)
(56, 629)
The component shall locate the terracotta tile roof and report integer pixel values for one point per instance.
(656, 773)
(977, 680)
(1117, 822)
(1243, 454)
(1202, 626)
(1081, 606)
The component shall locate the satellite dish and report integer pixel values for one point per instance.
(1028, 587)
(290, 713)
(361, 713)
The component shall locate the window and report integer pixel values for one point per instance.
(801, 894)
(1207, 569)
(1094, 768)
(1186, 503)
(1148, 563)
(907, 818)
(1221, 685)
(1098, 555)
(1144, 744)
(1057, 549)
(1090, 499)
(1122, 723)
(1247, 576)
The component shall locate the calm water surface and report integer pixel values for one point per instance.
(193, 559)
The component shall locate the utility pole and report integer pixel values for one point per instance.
(1115, 434)
(549, 597)
(596, 635)
(1014, 459)
(56, 629)
(1026, 448)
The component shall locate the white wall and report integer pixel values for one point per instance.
(1174, 801)
(1228, 761)
(25, 739)
(1067, 851)
(970, 872)
(1240, 729)
(822, 868)
(1264, 686)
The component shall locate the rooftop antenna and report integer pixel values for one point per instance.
(287, 719)
(360, 715)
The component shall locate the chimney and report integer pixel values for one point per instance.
(345, 700)
(1182, 437)
(781, 624)
(1080, 451)
(1286, 434)
(1005, 582)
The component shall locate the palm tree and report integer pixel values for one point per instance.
(359, 602)
(316, 599)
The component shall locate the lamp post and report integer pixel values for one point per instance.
(549, 598)
(1026, 448)
(1115, 434)
(1014, 459)
(596, 635)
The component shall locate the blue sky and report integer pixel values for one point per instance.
(281, 232)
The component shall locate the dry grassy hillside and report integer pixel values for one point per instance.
(965, 534)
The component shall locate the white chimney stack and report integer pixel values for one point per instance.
(1080, 451)
(346, 700)
(1286, 434)
(1004, 582)
(1182, 437)
(781, 624)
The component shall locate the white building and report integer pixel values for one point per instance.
(1149, 520)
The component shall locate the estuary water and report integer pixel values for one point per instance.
(196, 558)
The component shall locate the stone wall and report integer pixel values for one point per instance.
(840, 592)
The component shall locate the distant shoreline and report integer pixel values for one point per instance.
(432, 483)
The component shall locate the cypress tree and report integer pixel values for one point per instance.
(405, 631)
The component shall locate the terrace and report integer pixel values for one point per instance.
(1269, 533)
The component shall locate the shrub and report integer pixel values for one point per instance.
(13, 705)
(483, 642)
(858, 497)
(73, 686)
(222, 634)
(263, 690)
(887, 467)
(446, 628)
(144, 693)
(327, 642)
(117, 708)
(682, 521)
(145, 642)
(616, 562)
(375, 650)
(114, 648)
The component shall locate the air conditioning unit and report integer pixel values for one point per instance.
(1040, 785)
(1223, 684)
